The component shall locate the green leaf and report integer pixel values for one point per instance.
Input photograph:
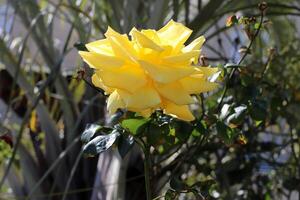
(225, 111)
(267, 196)
(200, 129)
(89, 132)
(225, 132)
(135, 126)
(247, 80)
(157, 134)
(258, 110)
(182, 130)
(177, 184)
(238, 116)
(115, 118)
(100, 143)
(257, 25)
(196, 193)
(170, 195)
(233, 65)
(125, 143)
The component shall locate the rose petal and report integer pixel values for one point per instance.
(143, 41)
(181, 112)
(100, 61)
(174, 34)
(114, 102)
(183, 58)
(129, 78)
(195, 85)
(100, 46)
(175, 93)
(146, 97)
(166, 74)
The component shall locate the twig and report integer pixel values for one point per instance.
(241, 60)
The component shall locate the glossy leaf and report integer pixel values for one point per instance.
(238, 116)
(233, 65)
(200, 129)
(135, 126)
(125, 143)
(89, 132)
(225, 133)
(177, 184)
(170, 195)
(100, 143)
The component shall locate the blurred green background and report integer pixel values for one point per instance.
(45, 104)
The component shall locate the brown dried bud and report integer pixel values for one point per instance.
(203, 60)
(263, 6)
(80, 74)
(231, 20)
(252, 19)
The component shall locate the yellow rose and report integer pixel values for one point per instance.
(152, 70)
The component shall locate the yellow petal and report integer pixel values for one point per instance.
(146, 113)
(151, 34)
(121, 45)
(98, 83)
(144, 98)
(194, 84)
(100, 46)
(166, 74)
(183, 58)
(208, 71)
(195, 45)
(181, 112)
(100, 61)
(143, 41)
(114, 102)
(175, 93)
(120, 50)
(174, 34)
(129, 78)
(148, 55)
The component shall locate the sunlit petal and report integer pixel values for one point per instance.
(165, 74)
(143, 41)
(175, 93)
(100, 61)
(182, 112)
(197, 84)
(98, 83)
(114, 102)
(146, 97)
(183, 58)
(174, 34)
(100, 46)
(129, 78)
(208, 71)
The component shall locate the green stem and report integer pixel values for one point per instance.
(147, 168)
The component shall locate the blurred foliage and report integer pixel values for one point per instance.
(243, 145)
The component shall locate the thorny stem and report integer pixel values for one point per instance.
(242, 59)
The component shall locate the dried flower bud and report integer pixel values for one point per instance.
(263, 6)
(231, 20)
